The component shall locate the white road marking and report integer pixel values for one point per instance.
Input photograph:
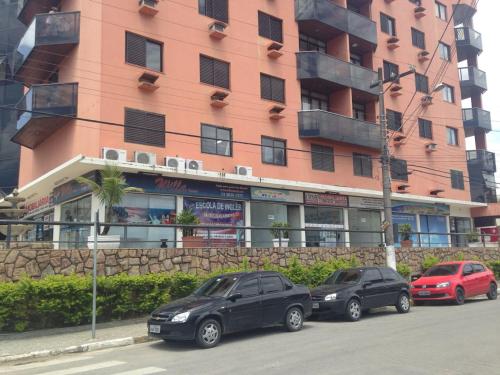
(54, 362)
(78, 370)
(143, 371)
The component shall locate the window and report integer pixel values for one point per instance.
(270, 27)
(356, 59)
(452, 136)
(421, 83)
(399, 169)
(394, 120)
(216, 140)
(444, 51)
(387, 24)
(425, 128)
(322, 158)
(272, 88)
(143, 52)
(448, 94)
(372, 275)
(273, 151)
(362, 165)
(390, 70)
(441, 11)
(249, 288)
(389, 274)
(314, 100)
(358, 111)
(271, 284)
(214, 72)
(417, 38)
(468, 269)
(144, 128)
(457, 179)
(308, 43)
(477, 268)
(216, 9)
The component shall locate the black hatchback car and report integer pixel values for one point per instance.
(231, 303)
(352, 291)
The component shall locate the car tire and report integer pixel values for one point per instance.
(459, 296)
(403, 305)
(294, 320)
(208, 334)
(492, 293)
(353, 310)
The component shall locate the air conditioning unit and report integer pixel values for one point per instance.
(194, 165)
(176, 163)
(217, 30)
(431, 147)
(243, 171)
(147, 158)
(114, 154)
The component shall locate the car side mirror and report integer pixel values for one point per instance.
(415, 277)
(288, 286)
(235, 296)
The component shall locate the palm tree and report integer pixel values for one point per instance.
(110, 190)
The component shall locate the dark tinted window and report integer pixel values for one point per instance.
(443, 270)
(372, 275)
(270, 27)
(143, 52)
(468, 268)
(344, 277)
(272, 88)
(214, 72)
(249, 288)
(418, 38)
(387, 24)
(362, 165)
(144, 128)
(271, 284)
(477, 267)
(421, 83)
(394, 120)
(322, 158)
(216, 9)
(390, 275)
(399, 169)
(457, 179)
(273, 151)
(217, 287)
(308, 43)
(425, 128)
(216, 140)
(390, 70)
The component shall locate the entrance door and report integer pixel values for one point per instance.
(364, 220)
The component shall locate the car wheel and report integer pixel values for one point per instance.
(493, 293)
(353, 310)
(459, 296)
(208, 334)
(294, 319)
(403, 305)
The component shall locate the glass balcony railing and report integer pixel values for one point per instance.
(334, 127)
(469, 42)
(46, 104)
(482, 160)
(476, 118)
(472, 81)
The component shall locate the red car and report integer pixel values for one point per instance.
(454, 281)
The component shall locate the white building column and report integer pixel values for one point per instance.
(96, 206)
(248, 223)
(179, 206)
(347, 235)
(419, 229)
(56, 235)
(448, 230)
(302, 218)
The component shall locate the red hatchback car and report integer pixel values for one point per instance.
(454, 281)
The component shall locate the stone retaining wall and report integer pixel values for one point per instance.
(36, 263)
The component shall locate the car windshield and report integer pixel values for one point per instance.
(442, 270)
(217, 286)
(344, 277)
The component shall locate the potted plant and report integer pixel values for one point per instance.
(110, 190)
(187, 217)
(405, 232)
(473, 240)
(280, 234)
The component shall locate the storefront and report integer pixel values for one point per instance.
(462, 226)
(40, 210)
(365, 221)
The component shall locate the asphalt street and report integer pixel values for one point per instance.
(437, 339)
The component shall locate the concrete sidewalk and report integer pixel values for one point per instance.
(50, 342)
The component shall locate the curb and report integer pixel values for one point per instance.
(90, 347)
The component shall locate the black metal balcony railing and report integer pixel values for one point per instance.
(469, 42)
(45, 44)
(476, 118)
(462, 13)
(332, 73)
(334, 127)
(47, 100)
(29, 8)
(482, 160)
(472, 81)
(329, 19)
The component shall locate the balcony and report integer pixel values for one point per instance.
(28, 9)
(334, 127)
(462, 13)
(476, 118)
(481, 160)
(469, 43)
(48, 100)
(323, 19)
(320, 72)
(472, 81)
(47, 41)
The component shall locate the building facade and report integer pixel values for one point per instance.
(248, 113)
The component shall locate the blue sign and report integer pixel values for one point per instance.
(72, 189)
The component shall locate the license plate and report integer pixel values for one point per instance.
(316, 305)
(154, 329)
(424, 293)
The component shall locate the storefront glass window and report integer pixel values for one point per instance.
(263, 215)
(398, 219)
(460, 225)
(364, 228)
(75, 211)
(328, 219)
(41, 232)
(430, 226)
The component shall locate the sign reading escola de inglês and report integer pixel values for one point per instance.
(276, 195)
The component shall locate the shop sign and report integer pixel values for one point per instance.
(366, 202)
(325, 199)
(276, 195)
(72, 189)
(178, 186)
(39, 205)
(420, 208)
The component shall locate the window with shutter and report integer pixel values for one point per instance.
(214, 72)
(418, 38)
(216, 9)
(272, 88)
(143, 52)
(270, 27)
(457, 179)
(425, 128)
(362, 165)
(144, 128)
(394, 121)
(322, 158)
(421, 83)
(399, 169)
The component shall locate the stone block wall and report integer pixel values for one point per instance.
(36, 263)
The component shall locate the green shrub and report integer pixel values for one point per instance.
(404, 270)
(429, 261)
(494, 266)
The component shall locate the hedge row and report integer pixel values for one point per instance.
(495, 267)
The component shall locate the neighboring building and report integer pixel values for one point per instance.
(240, 88)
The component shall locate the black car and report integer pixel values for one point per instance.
(352, 291)
(231, 303)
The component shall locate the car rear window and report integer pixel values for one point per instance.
(442, 270)
(390, 275)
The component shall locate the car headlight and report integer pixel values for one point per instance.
(331, 297)
(181, 318)
(443, 285)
